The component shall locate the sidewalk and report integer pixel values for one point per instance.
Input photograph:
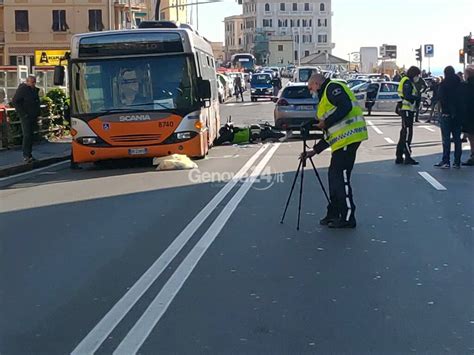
(46, 153)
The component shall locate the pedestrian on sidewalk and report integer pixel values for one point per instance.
(342, 120)
(451, 118)
(27, 105)
(238, 88)
(467, 102)
(407, 91)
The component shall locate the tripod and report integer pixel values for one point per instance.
(300, 170)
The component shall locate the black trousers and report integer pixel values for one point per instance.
(340, 190)
(417, 107)
(406, 135)
(28, 125)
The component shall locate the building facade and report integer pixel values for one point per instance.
(234, 35)
(42, 25)
(280, 50)
(218, 50)
(173, 10)
(308, 22)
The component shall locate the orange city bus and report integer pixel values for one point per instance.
(142, 93)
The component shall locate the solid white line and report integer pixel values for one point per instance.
(106, 325)
(376, 129)
(389, 140)
(142, 329)
(247, 104)
(33, 171)
(428, 128)
(435, 183)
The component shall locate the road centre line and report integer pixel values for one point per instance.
(376, 129)
(33, 171)
(389, 140)
(435, 183)
(107, 324)
(141, 330)
(428, 128)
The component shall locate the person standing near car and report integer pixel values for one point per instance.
(434, 87)
(467, 102)
(238, 88)
(451, 118)
(27, 105)
(407, 91)
(343, 124)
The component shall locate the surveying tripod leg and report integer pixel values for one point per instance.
(291, 191)
(301, 195)
(319, 179)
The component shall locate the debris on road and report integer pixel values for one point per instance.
(174, 162)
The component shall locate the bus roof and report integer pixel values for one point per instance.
(191, 39)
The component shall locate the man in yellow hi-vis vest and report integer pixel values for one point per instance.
(343, 124)
(408, 93)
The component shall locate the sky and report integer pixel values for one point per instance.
(371, 23)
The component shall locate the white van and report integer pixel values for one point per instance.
(302, 74)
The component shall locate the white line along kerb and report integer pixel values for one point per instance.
(435, 183)
(376, 129)
(144, 326)
(106, 325)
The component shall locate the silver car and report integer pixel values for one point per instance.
(295, 106)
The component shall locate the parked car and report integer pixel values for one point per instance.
(354, 82)
(261, 86)
(377, 96)
(221, 91)
(302, 74)
(295, 106)
(222, 79)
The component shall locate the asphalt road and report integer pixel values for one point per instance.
(124, 259)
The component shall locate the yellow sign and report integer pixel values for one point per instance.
(49, 56)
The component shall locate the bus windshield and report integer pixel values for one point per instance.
(245, 61)
(161, 83)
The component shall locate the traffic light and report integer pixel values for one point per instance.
(418, 54)
(462, 56)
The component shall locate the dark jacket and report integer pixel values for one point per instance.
(421, 86)
(467, 104)
(408, 91)
(26, 101)
(339, 98)
(449, 96)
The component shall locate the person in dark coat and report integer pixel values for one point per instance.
(451, 117)
(467, 101)
(27, 105)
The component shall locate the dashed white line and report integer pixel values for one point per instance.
(428, 128)
(389, 140)
(435, 183)
(376, 129)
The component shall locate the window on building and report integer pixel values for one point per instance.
(267, 7)
(280, 48)
(296, 55)
(322, 38)
(306, 6)
(240, 41)
(319, 22)
(306, 53)
(21, 21)
(325, 22)
(267, 22)
(295, 6)
(298, 23)
(322, 7)
(292, 23)
(59, 21)
(282, 6)
(310, 23)
(305, 23)
(95, 20)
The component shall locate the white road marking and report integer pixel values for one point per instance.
(428, 128)
(247, 104)
(389, 140)
(435, 183)
(144, 326)
(376, 129)
(33, 171)
(106, 325)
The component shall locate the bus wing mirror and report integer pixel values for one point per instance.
(204, 87)
(59, 75)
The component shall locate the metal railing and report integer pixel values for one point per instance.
(7, 135)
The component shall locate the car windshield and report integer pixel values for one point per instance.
(261, 79)
(297, 92)
(305, 74)
(135, 84)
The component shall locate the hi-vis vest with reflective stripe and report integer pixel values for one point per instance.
(351, 129)
(406, 105)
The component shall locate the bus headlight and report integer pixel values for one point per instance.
(88, 140)
(183, 135)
